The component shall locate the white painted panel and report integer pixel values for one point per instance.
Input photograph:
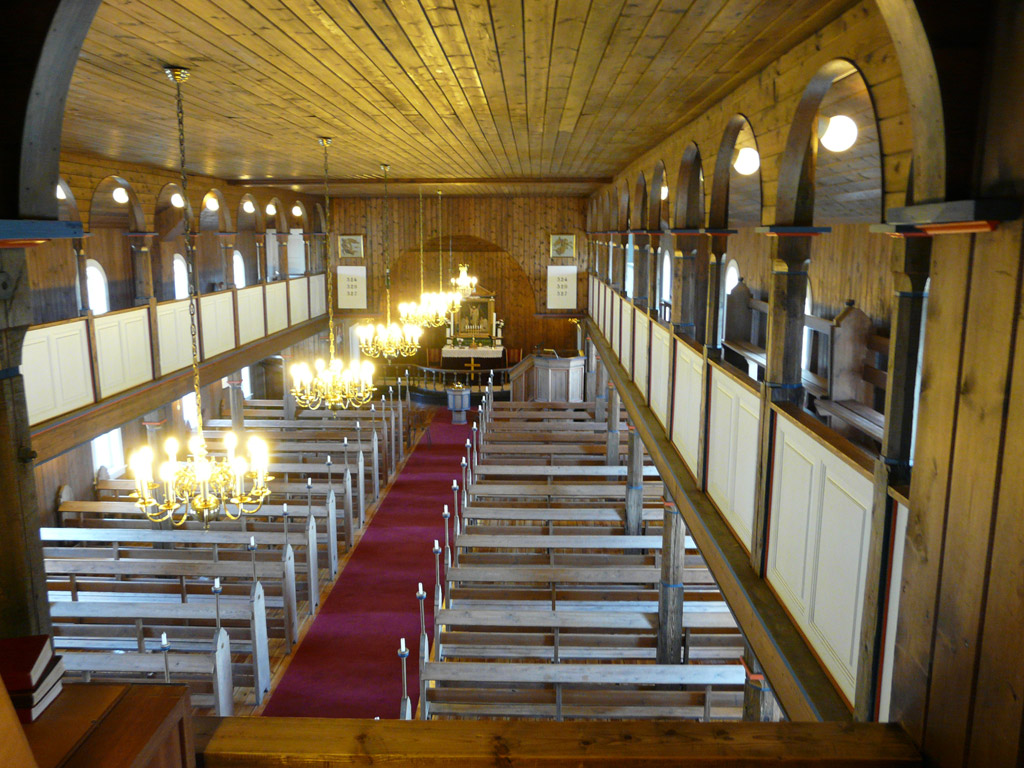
(123, 352)
(298, 293)
(686, 393)
(591, 297)
(626, 352)
(250, 314)
(615, 336)
(56, 367)
(661, 348)
(317, 295)
(732, 452)
(838, 570)
(792, 505)
(899, 533)
(640, 341)
(173, 335)
(277, 307)
(217, 317)
(608, 311)
(818, 546)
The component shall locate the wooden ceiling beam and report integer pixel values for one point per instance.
(425, 181)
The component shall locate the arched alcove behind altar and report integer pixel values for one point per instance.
(498, 272)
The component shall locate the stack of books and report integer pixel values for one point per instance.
(31, 673)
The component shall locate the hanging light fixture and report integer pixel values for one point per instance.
(331, 385)
(837, 133)
(747, 161)
(201, 486)
(464, 283)
(390, 339)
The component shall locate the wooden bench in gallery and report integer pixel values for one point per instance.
(575, 691)
(846, 374)
(136, 626)
(174, 577)
(208, 674)
(488, 471)
(574, 492)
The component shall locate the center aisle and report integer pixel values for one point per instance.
(347, 665)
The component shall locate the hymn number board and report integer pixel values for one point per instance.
(561, 287)
(351, 287)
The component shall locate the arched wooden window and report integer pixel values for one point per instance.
(180, 277)
(238, 264)
(97, 288)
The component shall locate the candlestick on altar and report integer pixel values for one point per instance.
(405, 710)
(447, 548)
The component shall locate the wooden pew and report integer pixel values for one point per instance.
(99, 625)
(207, 674)
(189, 545)
(132, 578)
(576, 492)
(481, 689)
(269, 519)
(709, 629)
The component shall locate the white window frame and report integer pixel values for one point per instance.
(94, 267)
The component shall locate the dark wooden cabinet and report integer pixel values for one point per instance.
(115, 726)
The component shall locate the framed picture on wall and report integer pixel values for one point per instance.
(475, 318)
(563, 247)
(350, 246)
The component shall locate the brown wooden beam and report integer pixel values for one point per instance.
(801, 684)
(296, 742)
(54, 437)
(424, 181)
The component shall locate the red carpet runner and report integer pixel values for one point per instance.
(347, 665)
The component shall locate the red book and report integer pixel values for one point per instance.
(23, 660)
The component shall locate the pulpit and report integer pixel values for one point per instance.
(558, 378)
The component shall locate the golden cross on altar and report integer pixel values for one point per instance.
(472, 365)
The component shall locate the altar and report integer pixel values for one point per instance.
(469, 352)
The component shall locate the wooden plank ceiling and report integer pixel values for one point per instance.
(475, 96)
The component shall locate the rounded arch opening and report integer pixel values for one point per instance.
(250, 214)
(689, 202)
(214, 215)
(736, 185)
(115, 205)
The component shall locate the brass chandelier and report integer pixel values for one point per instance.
(436, 307)
(200, 486)
(331, 385)
(464, 283)
(389, 340)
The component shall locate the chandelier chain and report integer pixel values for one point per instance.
(329, 277)
(179, 77)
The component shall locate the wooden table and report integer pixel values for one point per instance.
(114, 726)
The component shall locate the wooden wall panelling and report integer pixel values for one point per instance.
(504, 240)
(73, 469)
(53, 275)
(937, 416)
(110, 247)
(852, 263)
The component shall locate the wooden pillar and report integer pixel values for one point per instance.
(592, 365)
(155, 422)
(142, 268)
(634, 483)
(286, 391)
(612, 444)
(911, 266)
(642, 271)
(23, 598)
(758, 702)
(670, 591)
(783, 373)
(236, 402)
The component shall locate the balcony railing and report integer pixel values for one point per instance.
(72, 363)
